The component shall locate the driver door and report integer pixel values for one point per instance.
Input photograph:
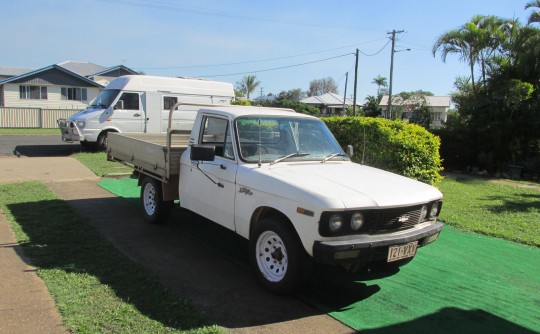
(128, 115)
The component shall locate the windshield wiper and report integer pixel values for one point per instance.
(292, 155)
(330, 156)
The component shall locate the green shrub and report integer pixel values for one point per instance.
(241, 103)
(395, 146)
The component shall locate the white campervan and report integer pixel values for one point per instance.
(141, 103)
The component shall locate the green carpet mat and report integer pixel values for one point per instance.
(463, 283)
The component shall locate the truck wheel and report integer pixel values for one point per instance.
(276, 256)
(155, 209)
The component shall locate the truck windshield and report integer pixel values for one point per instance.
(105, 99)
(275, 139)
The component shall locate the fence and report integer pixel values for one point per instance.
(33, 117)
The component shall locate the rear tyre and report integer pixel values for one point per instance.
(154, 208)
(276, 256)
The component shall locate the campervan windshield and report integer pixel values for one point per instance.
(105, 99)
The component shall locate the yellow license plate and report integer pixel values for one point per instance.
(399, 252)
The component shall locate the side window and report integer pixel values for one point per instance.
(131, 101)
(216, 132)
(169, 101)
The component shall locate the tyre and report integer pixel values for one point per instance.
(154, 208)
(101, 144)
(276, 256)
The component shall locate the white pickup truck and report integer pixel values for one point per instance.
(281, 180)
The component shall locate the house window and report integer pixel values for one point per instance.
(74, 94)
(33, 92)
(169, 101)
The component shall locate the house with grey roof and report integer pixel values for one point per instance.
(329, 104)
(67, 85)
(439, 105)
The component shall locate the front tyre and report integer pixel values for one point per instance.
(275, 256)
(154, 208)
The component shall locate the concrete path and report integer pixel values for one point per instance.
(224, 292)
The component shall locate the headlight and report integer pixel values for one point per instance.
(336, 223)
(357, 220)
(81, 124)
(423, 213)
(434, 212)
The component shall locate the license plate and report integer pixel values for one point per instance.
(399, 252)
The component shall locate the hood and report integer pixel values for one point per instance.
(344, 185)
(87, 113)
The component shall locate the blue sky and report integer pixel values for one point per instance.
(226, 40)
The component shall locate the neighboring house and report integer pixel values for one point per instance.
(67, 85)
(440, 105)
(329, 104)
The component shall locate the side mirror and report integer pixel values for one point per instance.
(119, 105)
(350, 151)
(202, 152)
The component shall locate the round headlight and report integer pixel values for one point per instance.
(357, 220)
(336, 223)
(81, 124)
(434, 210)
(423, 213)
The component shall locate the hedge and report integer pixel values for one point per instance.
(406, 149)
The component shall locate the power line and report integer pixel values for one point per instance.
(267, 59)
(275, 68)
(221, 13)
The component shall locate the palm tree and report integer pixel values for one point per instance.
(535, 16)
(248, 85)
(460, 42)
(380, 82)
(474, 42)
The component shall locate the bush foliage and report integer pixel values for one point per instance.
(395, 146)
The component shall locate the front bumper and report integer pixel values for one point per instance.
(70, 131)
(360, 252)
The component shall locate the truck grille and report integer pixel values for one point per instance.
(391, 219)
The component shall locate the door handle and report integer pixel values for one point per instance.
(136, 115)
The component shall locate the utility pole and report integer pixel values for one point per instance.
(355, 82)
(262, 91)
(345, 94)
(393, 38)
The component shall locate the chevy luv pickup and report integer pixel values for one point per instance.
(280, 179)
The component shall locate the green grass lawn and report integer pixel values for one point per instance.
(28, 131)
(97, 163)
(505, 211)
(96, 288)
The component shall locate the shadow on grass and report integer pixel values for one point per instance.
(515, 203)
(59, 239)
(453, 320)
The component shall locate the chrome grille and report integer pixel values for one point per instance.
(392, 219)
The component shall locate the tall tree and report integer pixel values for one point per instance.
(322, 86)
(535, 15)
(380, 81)
(248, 85)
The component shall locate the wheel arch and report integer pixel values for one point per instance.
(266, 212)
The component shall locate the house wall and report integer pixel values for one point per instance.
(54, 98)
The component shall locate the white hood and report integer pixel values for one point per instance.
(344, 185)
